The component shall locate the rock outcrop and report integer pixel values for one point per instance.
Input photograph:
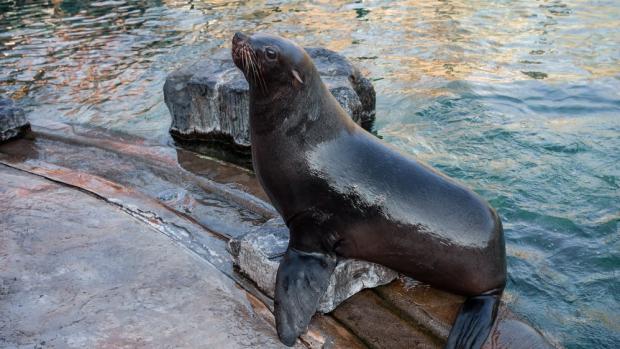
(13, 122)
(209, 101)
(257, 255)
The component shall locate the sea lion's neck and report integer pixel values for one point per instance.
(288, 107)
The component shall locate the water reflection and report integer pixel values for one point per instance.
(103, 62)
(519, 100)
(93, 63)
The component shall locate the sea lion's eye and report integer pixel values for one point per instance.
(271, 53)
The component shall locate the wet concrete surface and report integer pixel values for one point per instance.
(77, 272)
(141, 229)
(432, 312)
(160, 180)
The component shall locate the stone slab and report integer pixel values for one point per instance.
(258, 253)
(387, 329)
(434, 311)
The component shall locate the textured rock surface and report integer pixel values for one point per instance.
(13, 121)
(257, 255)
(209, 100)
(77, 272)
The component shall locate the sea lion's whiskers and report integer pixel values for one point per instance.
(258, 67)
(251, 69)
(256, 72)
(252, 64)
(244, 61)
(259, 76)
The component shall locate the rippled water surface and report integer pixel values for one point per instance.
(520, 100)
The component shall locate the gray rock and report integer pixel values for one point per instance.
(352, 90)
(257, 255)
(209, 100)
(13, 121)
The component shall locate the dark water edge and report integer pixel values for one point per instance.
(518, 100)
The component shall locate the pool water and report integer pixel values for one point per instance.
(519, 100)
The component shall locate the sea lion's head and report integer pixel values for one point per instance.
(273, 66)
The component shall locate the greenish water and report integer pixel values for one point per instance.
(520, 100)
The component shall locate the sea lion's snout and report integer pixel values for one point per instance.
(240, 43)
(239, 38)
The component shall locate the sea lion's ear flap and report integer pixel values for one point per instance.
(297, 76)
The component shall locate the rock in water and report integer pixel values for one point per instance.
(13, 121)
(352, 90)
(209, 101)
(258, 253)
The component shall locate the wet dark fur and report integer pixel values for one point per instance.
(344, 193)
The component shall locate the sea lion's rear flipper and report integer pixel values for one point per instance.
(474, 321)
(302, 280)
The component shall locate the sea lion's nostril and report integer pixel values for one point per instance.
(239, 37)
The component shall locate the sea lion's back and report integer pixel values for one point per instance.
(381, 180)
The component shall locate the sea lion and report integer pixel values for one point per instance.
(344, 193)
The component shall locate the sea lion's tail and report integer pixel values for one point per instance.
(474, 321)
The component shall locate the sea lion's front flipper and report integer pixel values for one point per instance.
(474, 321)
(302, 280)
